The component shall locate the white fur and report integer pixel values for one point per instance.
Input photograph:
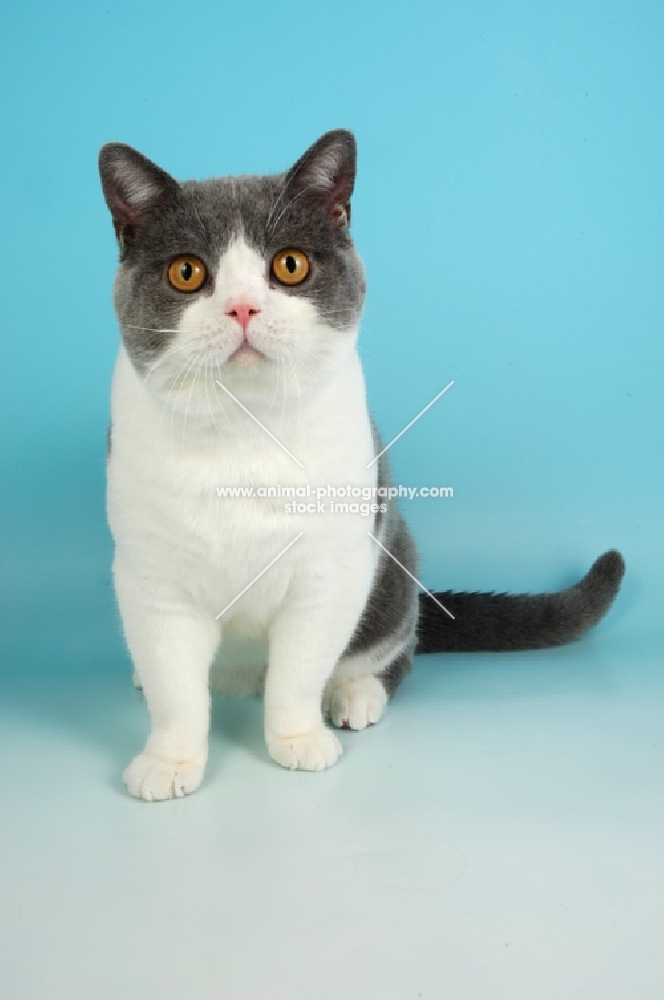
(355, 702)
(183, 554)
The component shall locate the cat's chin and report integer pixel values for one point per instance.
(245, 356)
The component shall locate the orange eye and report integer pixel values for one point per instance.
(290, 267)
(187, 274)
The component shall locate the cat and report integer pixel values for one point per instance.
(239, 302)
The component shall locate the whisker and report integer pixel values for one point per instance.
(365, 351)
(183, 371)
(150, 329)
(288, 204)
(225, 401)
(297, 389)
(191, 389)
(213, 413)
(167, 354)
(276, 382)
(195, 208)
(143, 382)
(281, 376)
(288, 179)
(284, 188)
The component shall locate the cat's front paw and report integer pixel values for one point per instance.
(154, 778)
(312, 751)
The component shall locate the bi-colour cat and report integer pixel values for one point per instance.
(239, 301)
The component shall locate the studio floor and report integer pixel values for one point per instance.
(498, 835)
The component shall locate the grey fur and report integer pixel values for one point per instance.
(520, 621)
(392, 606)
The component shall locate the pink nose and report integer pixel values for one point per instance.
(242, 312)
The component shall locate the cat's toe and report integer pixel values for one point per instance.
(154, 779)
(356, 703)
(312, 751)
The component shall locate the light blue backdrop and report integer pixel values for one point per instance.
(509, 209)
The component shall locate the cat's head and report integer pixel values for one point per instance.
(250, 280)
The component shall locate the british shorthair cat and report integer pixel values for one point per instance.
(239, 302)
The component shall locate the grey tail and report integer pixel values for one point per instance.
(501, 622)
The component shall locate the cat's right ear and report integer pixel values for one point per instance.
(135, 189)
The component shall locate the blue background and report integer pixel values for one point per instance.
(508, 209)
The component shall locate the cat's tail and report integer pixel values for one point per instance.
(501, 622)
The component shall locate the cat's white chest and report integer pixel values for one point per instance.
(165, 480)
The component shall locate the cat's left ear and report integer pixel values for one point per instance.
(326, 174)
(135, 189)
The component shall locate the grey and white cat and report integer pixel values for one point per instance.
(239, 303)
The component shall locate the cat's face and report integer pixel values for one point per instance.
(250, 280)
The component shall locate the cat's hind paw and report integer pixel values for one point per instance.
(312, 751)
(154, 779)
(356, 703)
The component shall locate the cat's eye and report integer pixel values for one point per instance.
(187, 274)
(290, 267)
